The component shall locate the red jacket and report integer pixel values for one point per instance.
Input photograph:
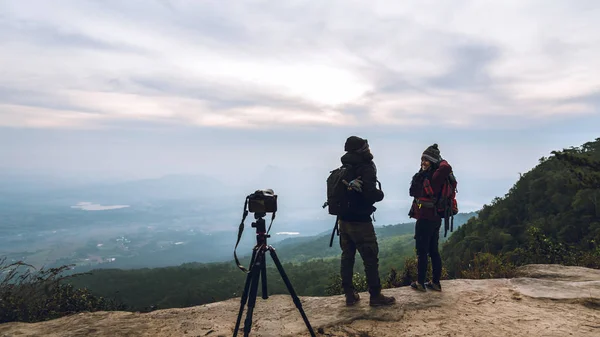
(417, 190)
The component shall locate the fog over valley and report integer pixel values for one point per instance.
(161, 221)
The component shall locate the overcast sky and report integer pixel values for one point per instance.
(146, 88)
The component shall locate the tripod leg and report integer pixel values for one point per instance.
(244, 295)
(287, 282)
(256, 269)
(263, 276)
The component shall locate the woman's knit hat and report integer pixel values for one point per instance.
(432, 154)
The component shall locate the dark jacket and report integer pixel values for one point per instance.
(437, 176)
(362, 201)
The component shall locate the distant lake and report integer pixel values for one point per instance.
(288, 233)
(88, 206)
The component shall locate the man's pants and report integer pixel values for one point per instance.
(359, 236)
(427, 235)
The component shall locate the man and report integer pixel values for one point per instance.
(425, 186)
(355, 225)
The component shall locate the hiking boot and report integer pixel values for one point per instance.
(434, 286)
(418, 287)
(379, 300)
(352, 298)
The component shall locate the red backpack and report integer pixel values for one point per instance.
(445, 202)
(447, 206)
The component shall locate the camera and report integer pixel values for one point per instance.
(262, 201)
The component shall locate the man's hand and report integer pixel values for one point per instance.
(355, 184)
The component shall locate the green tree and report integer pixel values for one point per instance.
(550, 215)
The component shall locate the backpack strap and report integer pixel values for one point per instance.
(448, 214)
(427, 187)
(335, 230)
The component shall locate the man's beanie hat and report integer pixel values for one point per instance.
(356, 144)
(432, 154)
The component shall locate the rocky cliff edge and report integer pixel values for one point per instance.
(543, 300)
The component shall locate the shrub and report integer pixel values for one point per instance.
(486, 266)
(409, 274)
(27, 295)
(334, 287)
(542, 249)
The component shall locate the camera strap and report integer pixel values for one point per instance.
(240, 231)
(272, 218)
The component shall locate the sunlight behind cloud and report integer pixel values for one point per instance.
(243, 66)
(320, 84)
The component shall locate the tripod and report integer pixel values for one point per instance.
(258, 270)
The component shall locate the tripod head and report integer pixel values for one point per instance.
(261, 228)
(259, 215)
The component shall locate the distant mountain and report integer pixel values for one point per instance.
(168, 187)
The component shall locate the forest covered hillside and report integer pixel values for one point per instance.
(304, 249)
(310, 263)
(550, 215)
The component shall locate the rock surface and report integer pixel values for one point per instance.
(543, 300)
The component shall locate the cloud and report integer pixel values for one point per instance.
(80, 64)
(468, 70)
